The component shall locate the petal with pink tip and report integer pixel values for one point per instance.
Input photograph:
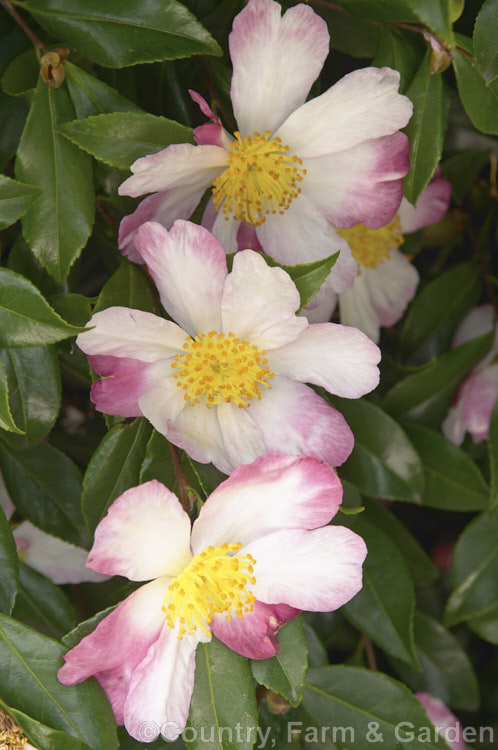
(124, 382)
(318, 570)
(275, 61)
(188, 266)
(274, 492)
(442, 718)
(431, 206)
(338, 358)
(477, 322)
(479, 397)
(254, 634)
(145, 534)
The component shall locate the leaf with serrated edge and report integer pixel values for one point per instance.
(284, 673)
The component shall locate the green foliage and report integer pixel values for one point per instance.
(9, 562)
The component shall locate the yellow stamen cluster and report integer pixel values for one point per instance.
(261, 178)
(215, 581)
(11, 736)
(373, 246)
(222, 368)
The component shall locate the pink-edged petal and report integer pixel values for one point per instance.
(259, 302)
(445, 722)
(454, 427)
(145, 534)
(161, 687)
(58, 560)
(163, 207)
(431, 206)
(303, 235)
(296, 421)
(247, 238)
(275, 492)
(360, 184)
(479, 397)
(477, 322)
(242, 437)
(188, 266)
(275, 61)
(318, 570)
(321, 306)
(131, 334)
(363, 105)
(197, 431)
(124, 382)
(338, 358)
(118, 644)
(254, 635)
(180, 165)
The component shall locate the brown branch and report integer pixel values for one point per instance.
(22, 23)
(369, 652)
(181, 479)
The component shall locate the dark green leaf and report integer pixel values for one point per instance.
(427, 395)
(479, 101)
(42, 605)
(385, 606)
(317, 654)
(462, 170)
(21, 75)
(113, 468)
(350, 34)
(431, 13)
(130, 287)
(425, 129)
(474, 572)
(28, 675)
(9, 565)
(485, 36)
(119, 33)
(486, 626)
(383, 462)
(308, 277)
(433, 317)
(64, 175)
(401, 50)
(90, 96)
(74, 308)
(452, 480)
(493, 459)
(157, 463)
(26, 319)
(45, 486)
(446, 669)
(15, 199)
(284, 673)
(363, 706)
(6, 419)
(203, 477)
(14, 112)
(120, 138)
(223, 697)
(41, 736)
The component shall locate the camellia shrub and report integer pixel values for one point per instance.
(248, 374)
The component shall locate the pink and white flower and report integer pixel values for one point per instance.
(295, 168)
(386, 280)
(227, 386)
(478, 393)
(447, 725)
(259, 552)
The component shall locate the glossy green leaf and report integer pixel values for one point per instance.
(130, 287)
(26, 318)
(91, 96)
(351, 34)
(401, 50)
(486, 627)
(20, 76)
(113, 468)
(493, 459)
(45, 487)
(34, 390)
(462, 170)
(485, 36)
(383, 462)
(447, 672)
(452, 479)
(385, 606)
(479, 101)
(41, 736)
(157, 463)
(474, 572)
(15, 199)
(437, 310)
(317, 655)
(434, 14)
(14, 113)
(75, 308)
(119, 33)
(361, 707)
(426, 396)
(223, 697)
(64, 175)
(34, 660)
(9, 565)
(6, 419)
(308, 277)
(118, 139)
(425, 130)
(42, 605)
(284, 673)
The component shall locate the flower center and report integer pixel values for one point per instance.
(373, 246)
(261, 178)
(213, 581)
(11, 736)
(223, 368)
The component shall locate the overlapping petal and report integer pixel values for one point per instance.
(254, 635)
(123, 382)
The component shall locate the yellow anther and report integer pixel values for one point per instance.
(373, 246)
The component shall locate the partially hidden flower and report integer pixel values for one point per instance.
(478, 393)
(226, 384)
(294, 169)
(12, 737)
(447, 725)
(386, 280)
(60, 561)
(259, 552)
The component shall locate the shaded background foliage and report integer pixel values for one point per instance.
(63, 153)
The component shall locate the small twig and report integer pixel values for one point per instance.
(326, 4)
(369, 652)
(181, 479)
(22, 23)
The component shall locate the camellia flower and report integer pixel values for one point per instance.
(259, 552)
(386, 280)
(12, 737)
(478, 393)
(293, 168)
(227, 385)
(446, 723)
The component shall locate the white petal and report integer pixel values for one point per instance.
(392, 285)
(357, 309)
(431, 205)
(321, 306)
(197, 431)
(477, 322)
(225, 230)
(162, 402)
(242, 437)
